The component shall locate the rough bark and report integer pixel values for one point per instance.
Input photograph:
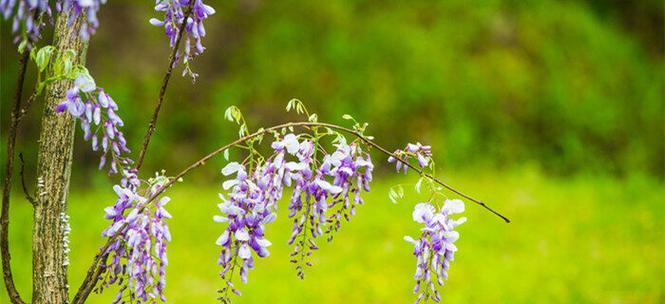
(56, 142)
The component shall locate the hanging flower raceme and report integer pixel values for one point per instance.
(252, 202)
(174, 16)
(97, 112)
(77, 7)
(247, 210)
(136, 259)
(423, 154)
(28, 20)
(435, 248)
(351, 170)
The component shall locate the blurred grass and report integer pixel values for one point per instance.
(586, 239)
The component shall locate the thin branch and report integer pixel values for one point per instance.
(14, 296)
(29, 197)
(28, 103)
(162, 90)
(334, 127)
(93, 272)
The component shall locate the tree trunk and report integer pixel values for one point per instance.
(56, 143)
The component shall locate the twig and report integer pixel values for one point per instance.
(93, 273)
(14, 296)
(29, 197)
(28, 103)
(162, 90)
(334, 127)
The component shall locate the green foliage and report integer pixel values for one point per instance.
(233, 114)
(63, 66)
(564, 84)
(497, 82)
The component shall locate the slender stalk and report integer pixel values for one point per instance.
(14, 296)
(334, 127)
(26, 192)
(162, 90)
(28, 103)
(93, 271)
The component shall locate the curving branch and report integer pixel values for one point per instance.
(26, 192)
(28, 103)
(162, 90)
(96, 269)
(14, 296)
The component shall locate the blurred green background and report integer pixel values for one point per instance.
(551, 111)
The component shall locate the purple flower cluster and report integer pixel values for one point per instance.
(250, 206)
(97, 112)
(253, 198)
(174, 16)
(420, 152)
(136, 260)
(27, 19)
(78, 7)
(350, 170)
(435, 248)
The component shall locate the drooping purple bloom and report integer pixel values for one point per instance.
(435, 248)
(422, 153)
(252, 200)
(77, 7)
(28, 19)
(174, 17)
(249, 207)
(136, 261)
(335, 184)
(97, 112)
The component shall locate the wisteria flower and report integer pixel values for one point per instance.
(435, 248)
(174, 16)
(28, 19)
(247, 211)
(97, 112)
(137, 259)
(77, 7)
(422, 153)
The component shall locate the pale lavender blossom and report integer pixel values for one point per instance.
(97, 112)
(136, 261)
(252, 201)
(249, 207)
(422, 153)
(27, 19)
(77, 7)
(435, 248)
(174, 16)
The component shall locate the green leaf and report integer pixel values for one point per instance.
(33, 54)
(43, 57)
(392, 195)
(419, 184)
(22, 46)
(233, 114)
(400, 191)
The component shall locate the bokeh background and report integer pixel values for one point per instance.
(550, 111)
